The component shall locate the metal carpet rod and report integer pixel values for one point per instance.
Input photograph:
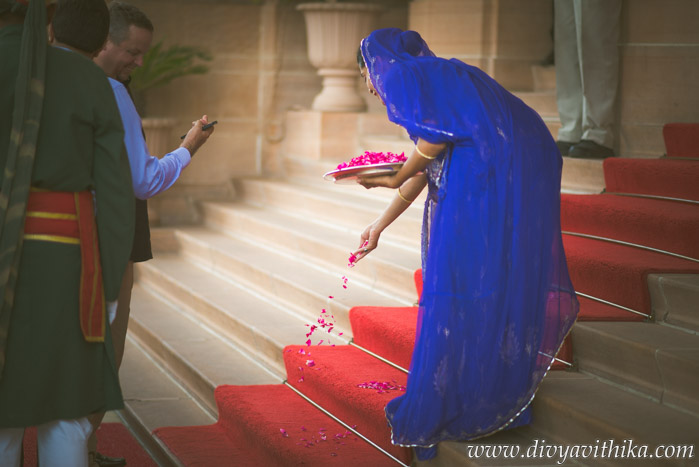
(312, 402)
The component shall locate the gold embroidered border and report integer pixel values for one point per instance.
(52, 215)
(52, 238)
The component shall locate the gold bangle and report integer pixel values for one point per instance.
(423, 154)
(403, 197)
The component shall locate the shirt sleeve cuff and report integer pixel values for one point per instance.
(183, 156)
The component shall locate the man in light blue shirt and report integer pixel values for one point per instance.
(130, 37)
(151, 175)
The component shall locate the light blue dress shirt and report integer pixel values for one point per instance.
(150, 175)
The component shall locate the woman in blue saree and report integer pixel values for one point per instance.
(497, 300)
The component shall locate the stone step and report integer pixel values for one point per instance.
(295, 285)
(386, 143)
(573, 408)
(544, 77)
(193, 350)
(377, 123)
(389, 267)
(674, 298)
(507, 448)
(308, 170)
(248, 320)
(655, 360)
(353, 210)
(153, 398)
(553, 124)
(582, 176)
(544, 102)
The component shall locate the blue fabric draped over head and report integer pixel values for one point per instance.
(497, 300)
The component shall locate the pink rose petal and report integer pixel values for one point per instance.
(370, 158)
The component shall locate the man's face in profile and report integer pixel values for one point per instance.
(120, 60)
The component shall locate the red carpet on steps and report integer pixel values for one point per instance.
(390, 333)
(386, 331)
(665, 225)
(249, 433)
(332, 383)
(618, 273)
(113, 439)
(681, 139)
(203, 446)
(659, 177)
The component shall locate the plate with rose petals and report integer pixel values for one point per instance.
(350, 174)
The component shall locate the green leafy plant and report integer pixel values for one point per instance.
(162, 64)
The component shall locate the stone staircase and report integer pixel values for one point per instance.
(221, 300)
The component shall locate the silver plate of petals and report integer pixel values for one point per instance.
(350, 174)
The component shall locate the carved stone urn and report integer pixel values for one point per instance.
(158, 132)
(334, 31)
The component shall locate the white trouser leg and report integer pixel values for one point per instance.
(599, 25)
(569, 95)
(10, 446)
(63, 443)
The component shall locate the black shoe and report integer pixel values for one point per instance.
(105, 461)
(587, 149)
(564, 147)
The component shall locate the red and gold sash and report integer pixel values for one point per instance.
(68, 217)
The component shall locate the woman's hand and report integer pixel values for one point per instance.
(368, 241)
(388, 181)
(414, 165)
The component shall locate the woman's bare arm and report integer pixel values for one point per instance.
(407, 193)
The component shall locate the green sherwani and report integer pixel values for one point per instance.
(51, 372)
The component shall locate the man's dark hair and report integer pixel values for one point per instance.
(82, 24)
(122, 17)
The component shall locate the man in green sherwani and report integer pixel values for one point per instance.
(56, 356)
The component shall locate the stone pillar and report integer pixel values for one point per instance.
(504, 38)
